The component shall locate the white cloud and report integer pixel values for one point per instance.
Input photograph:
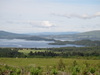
(97, 14)
(39, 24)
(43, 24)
(83, 16)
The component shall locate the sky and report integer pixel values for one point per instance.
(29, 16)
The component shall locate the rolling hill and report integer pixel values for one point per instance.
(9, 35)
(51, 33)
(91, 35)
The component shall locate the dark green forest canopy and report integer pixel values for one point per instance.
(52, 52)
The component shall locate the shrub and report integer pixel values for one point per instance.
(74, 73)
(74, 63)
(35, 71)
(54, 72)
(92, 70)
(61, 65)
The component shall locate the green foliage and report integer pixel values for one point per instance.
(92, 70)
(86, 64)
(54, 71)
(66, 52)
(75, 68)
(35, 71)
(18, 71)
(10, 52)
(74, 63)
(61, 65)
(7, 70)
(74, 73)
(23, 66)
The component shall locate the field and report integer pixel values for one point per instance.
(50, 61)
(22, 62)
(26, 51)
(67, 65)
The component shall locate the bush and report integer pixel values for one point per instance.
(54, 72)
(74, 63)
(61, 65)
(35, 71)
(92, 70)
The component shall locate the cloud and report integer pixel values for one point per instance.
(97, 14)
(83, 16)
(42, 24)
(39, 24)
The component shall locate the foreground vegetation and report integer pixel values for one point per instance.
(49, 66)
(50, 61)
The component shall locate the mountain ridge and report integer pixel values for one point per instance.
(51, 33)
(91, 35)
(9, 35)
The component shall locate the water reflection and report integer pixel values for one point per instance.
(30, 44)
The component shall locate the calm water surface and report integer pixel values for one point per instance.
(31, 44)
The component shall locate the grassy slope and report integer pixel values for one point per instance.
(22, 62)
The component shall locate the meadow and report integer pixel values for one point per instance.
(50, 61)
(52, 66)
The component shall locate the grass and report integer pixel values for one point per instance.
(43, 61)
(72, 66)
(26, 51)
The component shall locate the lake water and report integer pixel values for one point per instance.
(19, 43)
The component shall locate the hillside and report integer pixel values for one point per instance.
(80, 42)
(91, 35)
(51, 33)
(8, 35)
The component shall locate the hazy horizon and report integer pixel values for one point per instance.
(32, 16)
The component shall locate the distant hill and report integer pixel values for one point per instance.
(91, 35)
(79, 42)
(50, 36)
(9, 35)
(51, 33)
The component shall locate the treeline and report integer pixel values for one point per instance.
(10, 52)
(64, 54)
(53, 52)
(68, 52)
(43, 54)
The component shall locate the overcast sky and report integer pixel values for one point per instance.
(27, 16)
